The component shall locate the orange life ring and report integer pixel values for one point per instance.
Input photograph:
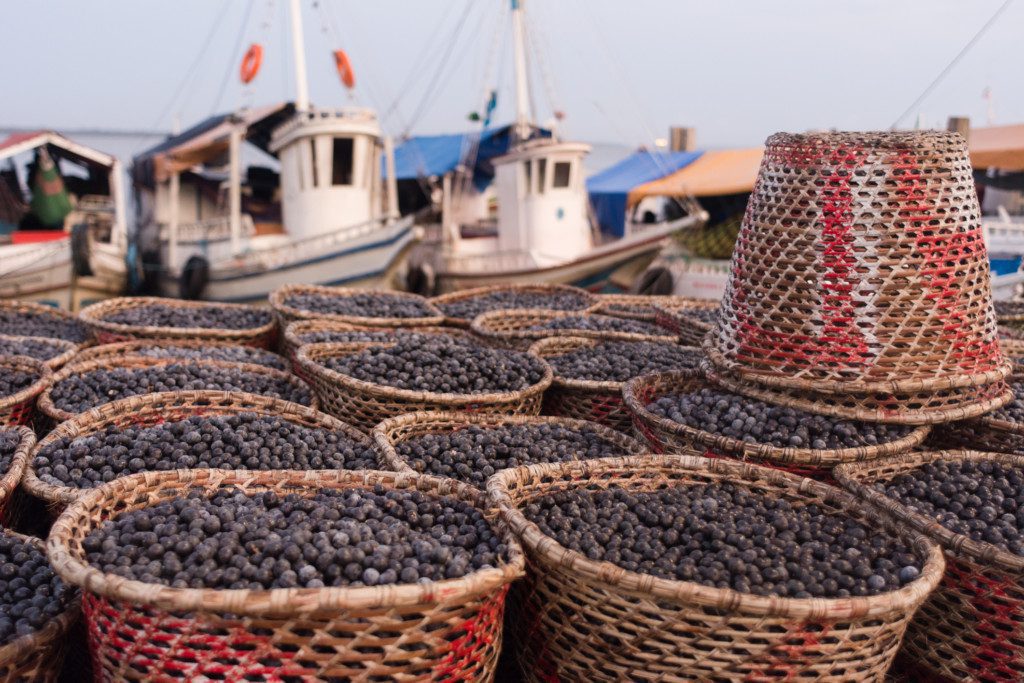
(344, 67)
(251, 62)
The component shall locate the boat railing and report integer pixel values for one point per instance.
(317, 245)
(213, 229)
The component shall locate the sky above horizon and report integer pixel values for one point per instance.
(622, 72)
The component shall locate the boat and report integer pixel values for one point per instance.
(327, 216)
(532, 223)
(997, 154)
(67, 245)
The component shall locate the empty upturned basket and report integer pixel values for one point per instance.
(860, 280)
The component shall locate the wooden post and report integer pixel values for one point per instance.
(960, 124)
(682, 139)
(235, 189)
(172, 227)
(389, 161)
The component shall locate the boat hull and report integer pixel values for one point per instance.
(43, 273)
(376, 260)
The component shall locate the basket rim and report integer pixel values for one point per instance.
(40, 386)
(840, 387)
(906, 598)
(543, 287)
(124, 349)
(71, 349)
(315, 369)
(54, 311)
(91, 315)
(19, 461)
(292, 314)
(292, 340)
(928, 416)
(854, 477)
(84, 424)
(540, 346)
(790, 455)
(48, 408)
(291, 601)
(385, 441)
(54, 628)
(481, 326)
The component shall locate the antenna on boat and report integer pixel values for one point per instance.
(299, 48)
(523, 125)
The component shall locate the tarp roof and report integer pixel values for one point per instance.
(17, 143)
(207, 140)
(999, 147)
(610, 188)
(715, 173)
(423, 156)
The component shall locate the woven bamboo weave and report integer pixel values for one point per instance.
(289, 314)
(389, 433)
(153, 409)
(106, 332)
(67, 349)
(861, 269)
(366, 404)
(583, 620)
(10, 479)
(598, 401)
(444, 630)
(667, 436)
(57, 415)
(512, 328)
(640, 306)
(294, 332)
(30, 308)
(971, 627)
(132, 349)
(586, 299)
(38, 656)
(992, 432)
(19, 408)
(678, 318)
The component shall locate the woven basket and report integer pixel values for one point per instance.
(57, 415)
(970, 628)
(399, 429)
(10, 479)
(67, 349)
(153, 409)
(294, 332)
(511, 328)
(15, 307)
(19, 409)
(38, 656)
(691, 330)
(583, 620)
(597, 401)
(130, 350)
(985, 433)
(588, 300)
(108, 332)
(666, 436)
(444, 630)
(365, 404)
(861, 273)
(289, 314)
(640, 306)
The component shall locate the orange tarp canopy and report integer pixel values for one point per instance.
(729, 171)
(999, 147)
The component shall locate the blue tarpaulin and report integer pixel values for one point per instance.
(434, 155)
(610, 188)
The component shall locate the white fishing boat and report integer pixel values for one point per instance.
(542, 230)
(327, 217)
(66, 245)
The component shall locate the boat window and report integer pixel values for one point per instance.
(528, 184)
(316, 171)
(563, 171)
(341, 169)
(542, 170)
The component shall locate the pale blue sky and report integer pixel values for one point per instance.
(622, 70)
